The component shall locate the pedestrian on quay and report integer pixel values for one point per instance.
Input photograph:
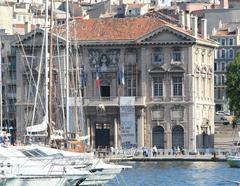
(145, 152)
(174, 150)
(182, 150)
(178, 150)
(154, 149)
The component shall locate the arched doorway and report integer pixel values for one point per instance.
(177, 136)
(158, 137)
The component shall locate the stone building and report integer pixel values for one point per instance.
(168, 78)
(8, 72)
(228, 37)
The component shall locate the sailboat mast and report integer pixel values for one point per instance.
(1, 122)
(67, 67)
(46, 59)
(50, 73)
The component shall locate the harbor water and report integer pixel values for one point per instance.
(178, 173)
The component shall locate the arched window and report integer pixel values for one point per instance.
(177, 136)
(158, 137)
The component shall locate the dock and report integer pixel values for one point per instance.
(208, 158)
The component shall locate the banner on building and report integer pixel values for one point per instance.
(127, 118)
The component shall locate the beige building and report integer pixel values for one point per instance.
(6, 17)
(228, 37)
(168, 78)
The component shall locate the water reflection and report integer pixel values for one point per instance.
(178, 173)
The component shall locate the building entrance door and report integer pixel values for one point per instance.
(102, 136)
(158, 137)
(105, 91)
(177, 137)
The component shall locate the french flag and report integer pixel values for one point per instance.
(97, 77)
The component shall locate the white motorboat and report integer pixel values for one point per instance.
(101, 172)
(18, 170)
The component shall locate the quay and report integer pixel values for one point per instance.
(169, 158)
(215, 155)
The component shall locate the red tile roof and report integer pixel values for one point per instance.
(111, 29)
(224, 33)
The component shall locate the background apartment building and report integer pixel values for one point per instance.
(228, 37)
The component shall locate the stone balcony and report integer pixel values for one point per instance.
(110, 101)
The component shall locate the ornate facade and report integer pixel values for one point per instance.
(167, 69)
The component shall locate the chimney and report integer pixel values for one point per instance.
(204, 28)
(181, 19)
(194, 26)
(224, 4)
(187, 21)
(220, 25)
(27, 27)
(214, 31)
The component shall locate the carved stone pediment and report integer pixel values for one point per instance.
(157, 70)
(35, 38)
(176, 68)
(166, 34)
(106, 59)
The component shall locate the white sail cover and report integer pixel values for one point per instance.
(39, 127)
(81, 138)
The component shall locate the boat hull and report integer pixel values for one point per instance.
(235, 163)
(41, 180)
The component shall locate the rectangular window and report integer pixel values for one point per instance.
(223, 80)
(215, 66)
(157, 86)
(231, 53)
(131, 87)
(223, 66)
(223, 54)
(218, 54)
(215, 80)
(219, 80)
(131, 80)
(177, 86)
(223, 42)
(176, 55)
(231, 42)
(157, 58)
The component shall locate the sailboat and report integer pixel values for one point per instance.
(233, 159)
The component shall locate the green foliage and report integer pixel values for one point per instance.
(233, 85)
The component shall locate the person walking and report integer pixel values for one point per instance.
(154, 149)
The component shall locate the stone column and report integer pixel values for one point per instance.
(141, 129)
(115, 133)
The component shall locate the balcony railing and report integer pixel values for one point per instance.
(107, 101)
(110, 101)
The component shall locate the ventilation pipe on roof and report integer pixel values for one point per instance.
(214, 31)
(194, 26)
(181, 19)
(187, 21)
(204, 28)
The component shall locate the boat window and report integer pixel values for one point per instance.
(27, 154)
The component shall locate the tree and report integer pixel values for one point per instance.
(233, 85)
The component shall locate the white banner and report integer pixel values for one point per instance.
(127, 118)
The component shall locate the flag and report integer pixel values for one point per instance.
(122, 76)
(97, 77)
(119, 75)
